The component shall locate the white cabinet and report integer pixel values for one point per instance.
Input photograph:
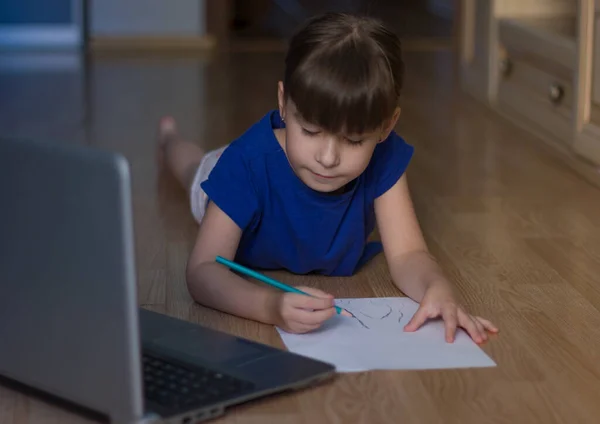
(587, 137)
(478, 56)
(537, 73)
(537, 62)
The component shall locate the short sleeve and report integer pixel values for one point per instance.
(390, 160)
(230, 186)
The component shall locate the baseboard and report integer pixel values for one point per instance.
(39, 37)
(108, 44)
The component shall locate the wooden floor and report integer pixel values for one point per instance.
(516, 230)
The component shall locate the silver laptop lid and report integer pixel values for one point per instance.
(68, 307)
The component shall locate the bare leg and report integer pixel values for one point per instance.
(180, 157)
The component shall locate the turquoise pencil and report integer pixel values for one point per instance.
(270, 281)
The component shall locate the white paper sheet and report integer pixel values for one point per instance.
(347, 344)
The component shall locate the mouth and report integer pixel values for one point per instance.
(325, 177)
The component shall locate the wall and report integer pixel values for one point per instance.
(170, 18)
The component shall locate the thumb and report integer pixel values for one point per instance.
(417, 320)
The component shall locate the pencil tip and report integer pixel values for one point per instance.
(347, 313)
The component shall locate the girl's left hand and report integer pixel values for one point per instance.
(439, 301)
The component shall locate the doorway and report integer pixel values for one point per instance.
(277, 19)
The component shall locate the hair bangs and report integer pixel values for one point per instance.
(346, 89)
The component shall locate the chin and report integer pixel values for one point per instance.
(323, 187)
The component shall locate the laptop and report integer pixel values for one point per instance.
(70, 324)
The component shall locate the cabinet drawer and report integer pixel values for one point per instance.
(538, 98)
(551, 39)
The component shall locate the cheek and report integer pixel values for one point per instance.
(358, 158)
(297, 147)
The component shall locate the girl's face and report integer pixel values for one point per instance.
(325, 162)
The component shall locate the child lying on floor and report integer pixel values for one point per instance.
(303, 188)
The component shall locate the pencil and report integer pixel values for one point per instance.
(270, 281)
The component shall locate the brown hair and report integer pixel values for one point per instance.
(344, 72)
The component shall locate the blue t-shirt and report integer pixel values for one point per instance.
(288, 225)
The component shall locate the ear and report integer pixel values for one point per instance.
(387, 129)
(281, 99)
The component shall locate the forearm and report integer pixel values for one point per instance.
(414, 272)
(215, 286)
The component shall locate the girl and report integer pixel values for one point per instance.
(303, 188)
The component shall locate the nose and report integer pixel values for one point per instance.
(328, 155)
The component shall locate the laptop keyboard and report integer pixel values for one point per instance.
(174, 386)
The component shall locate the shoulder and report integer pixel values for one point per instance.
(236, 182)
(389, 162)
(257, 141)
(395, 146)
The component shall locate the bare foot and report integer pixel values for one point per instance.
(167, 130)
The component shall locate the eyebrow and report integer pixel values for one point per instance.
(302, 121)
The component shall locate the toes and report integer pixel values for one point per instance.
(167, 127)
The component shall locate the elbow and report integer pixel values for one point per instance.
(190, 280)
(198, 274)
(190, 271)
(193, 277)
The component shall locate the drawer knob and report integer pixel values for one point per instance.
(555, 92)
(505, 66)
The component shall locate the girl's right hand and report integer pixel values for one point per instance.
(298, 313)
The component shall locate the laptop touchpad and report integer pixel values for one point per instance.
(189, 341)
(213, 349)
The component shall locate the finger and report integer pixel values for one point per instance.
(312, 317)
(315, 292)
(417, 320)
(299, 328)
(480, 328)
(488, 325)
(303, 328)
(297, 300)
(468, 324)
(450, 322)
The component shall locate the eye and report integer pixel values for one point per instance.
(356, 142)
(310, 133)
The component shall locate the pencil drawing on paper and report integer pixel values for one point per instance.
(374, 310)
(389, 308)
(374, 337)
(356, 318)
